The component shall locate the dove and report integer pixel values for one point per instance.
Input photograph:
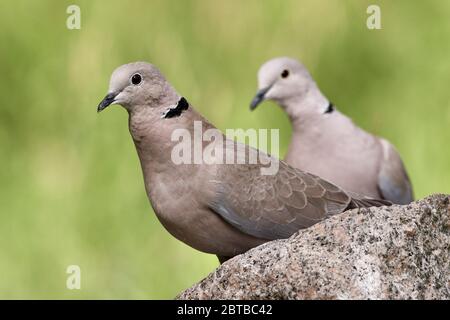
(215, 207)
(326, 142)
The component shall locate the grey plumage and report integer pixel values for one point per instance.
(327, 143)
(215, 208)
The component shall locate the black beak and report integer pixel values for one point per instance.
(260, 96)
(109, 99)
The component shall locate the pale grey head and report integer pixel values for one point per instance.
(282, 79)
(137, 84)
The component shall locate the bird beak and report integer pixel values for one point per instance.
(108, 100)
(259, 97)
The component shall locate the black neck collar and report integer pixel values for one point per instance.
(330, 108)
(177, 110)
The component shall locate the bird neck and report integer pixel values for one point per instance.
(156, 136)
(307, 108)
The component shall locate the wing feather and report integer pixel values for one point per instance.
(393, 181)
(275, 206)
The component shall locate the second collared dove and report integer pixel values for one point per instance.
(224, 209)
(326, 142)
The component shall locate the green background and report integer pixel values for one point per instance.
(71, 188)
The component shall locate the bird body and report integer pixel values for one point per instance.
(354, 166)
(326, 142)
(218, 208)
(171, 188)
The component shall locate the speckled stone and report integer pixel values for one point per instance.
(398, 252)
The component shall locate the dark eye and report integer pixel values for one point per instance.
(136, 79)
(285, 73)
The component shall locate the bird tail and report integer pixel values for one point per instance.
(359, 201)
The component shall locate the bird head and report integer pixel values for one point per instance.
(135, 84)
(281, 79)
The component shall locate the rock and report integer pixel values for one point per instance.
(397, 252)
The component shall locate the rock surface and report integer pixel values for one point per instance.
(398, 252)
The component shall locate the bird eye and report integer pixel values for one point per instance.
(136, 79)
(285, 73)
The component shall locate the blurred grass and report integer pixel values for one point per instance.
(72, 190)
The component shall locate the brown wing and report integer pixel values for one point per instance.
(275, 206)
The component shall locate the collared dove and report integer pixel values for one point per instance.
(224, 209)
(327, 143)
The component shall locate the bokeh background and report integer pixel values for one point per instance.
(71, 189)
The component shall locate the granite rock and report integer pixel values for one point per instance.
(397, 252)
